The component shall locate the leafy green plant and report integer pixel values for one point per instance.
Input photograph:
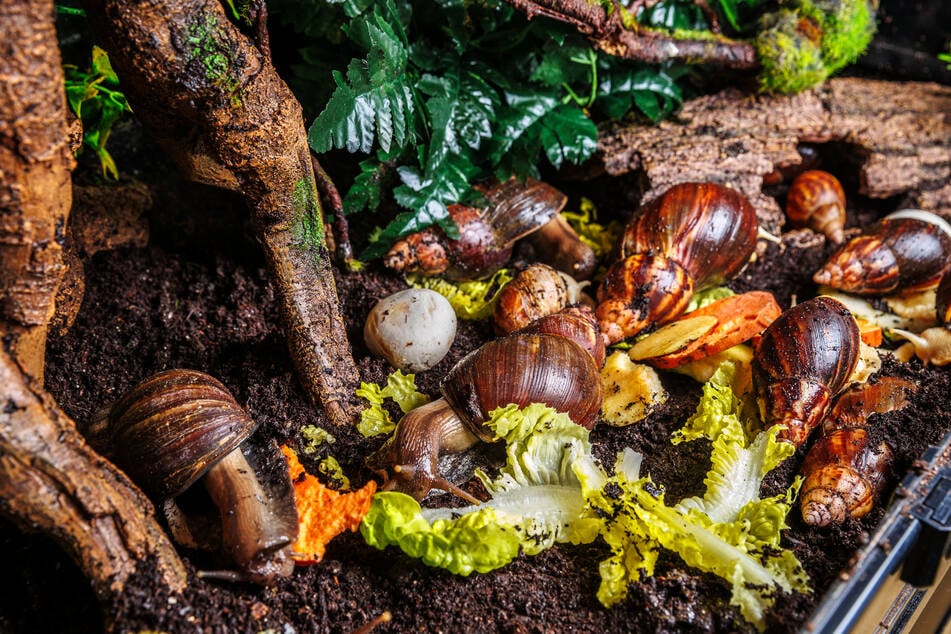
(438, 94)
(94, 96)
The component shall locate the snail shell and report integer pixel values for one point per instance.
(642, 291)
(523, 369)
(577, 323)
(486, 235)
(691, 237)
(708, 229)
(536, 291)
(843, 471)
(843, 474)
(898, 253)
(163, 458)
(802, 360)
(816, 200)
(943, 299)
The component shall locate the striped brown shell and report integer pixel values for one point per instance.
(523, 369)
(843, 474)
(486, 234)
(536, 291)
(642, 291)
(943, 299)
(708, 229)
(896, 254)
(816, 200)
(577, 323)
(801, 361)
(168, 430)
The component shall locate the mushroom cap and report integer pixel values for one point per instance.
(168, 430)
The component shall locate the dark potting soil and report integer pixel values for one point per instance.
(198, 296)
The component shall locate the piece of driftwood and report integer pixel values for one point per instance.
(900, 134)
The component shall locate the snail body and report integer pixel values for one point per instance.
(844, 471)
(693, 236)
(179, 426)
(802, 360)
(901, 252)
(521, 369)
(486, 235)
(816, 200)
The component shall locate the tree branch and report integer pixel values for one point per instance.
(609, 31)
(217, 106)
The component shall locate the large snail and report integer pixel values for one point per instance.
(179, 426)
(522, 369)
(816, 200)
(905, 251)
(844, 471)
(487, 235)
(802, 360)
(693, 236)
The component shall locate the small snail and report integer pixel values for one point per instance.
(802, 360)
(816, 200)
(520, 368)
(486, 236)
(179, 426)
(844, 472)
(691, 237)
(536, 291)
(413, 329)
(904, 251)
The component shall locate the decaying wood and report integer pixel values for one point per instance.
(217, 106)
(35, 165)
(899, 132)
(51, 481)
(604, 25)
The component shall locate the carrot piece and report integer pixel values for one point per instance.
(870, 332)
(739, 318)
(322, 513)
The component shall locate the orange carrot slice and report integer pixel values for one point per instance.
(739, 318)
(870, 332)
(322, 513)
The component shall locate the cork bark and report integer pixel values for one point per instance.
(899, 134)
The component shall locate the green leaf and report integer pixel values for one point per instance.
(568, 135)
(366, 192)
(653, 92)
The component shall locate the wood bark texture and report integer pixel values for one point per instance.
(605, 28)
(35, 165)
(899, 134)
(215, 103)
(50, 480)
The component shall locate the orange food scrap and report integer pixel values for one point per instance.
(739, 318)
(870, 332)
(322, 513)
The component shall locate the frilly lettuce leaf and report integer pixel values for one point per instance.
(707, 296)
(374, 419)
(537, 491)
(552, 490)
(730, 531)
(601, 238)
(474, 542)
(471, 300)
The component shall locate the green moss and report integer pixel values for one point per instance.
(308, 224)
(847, 29)
(207, 45)
(789, 49)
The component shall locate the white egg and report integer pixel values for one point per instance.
(413, 329)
